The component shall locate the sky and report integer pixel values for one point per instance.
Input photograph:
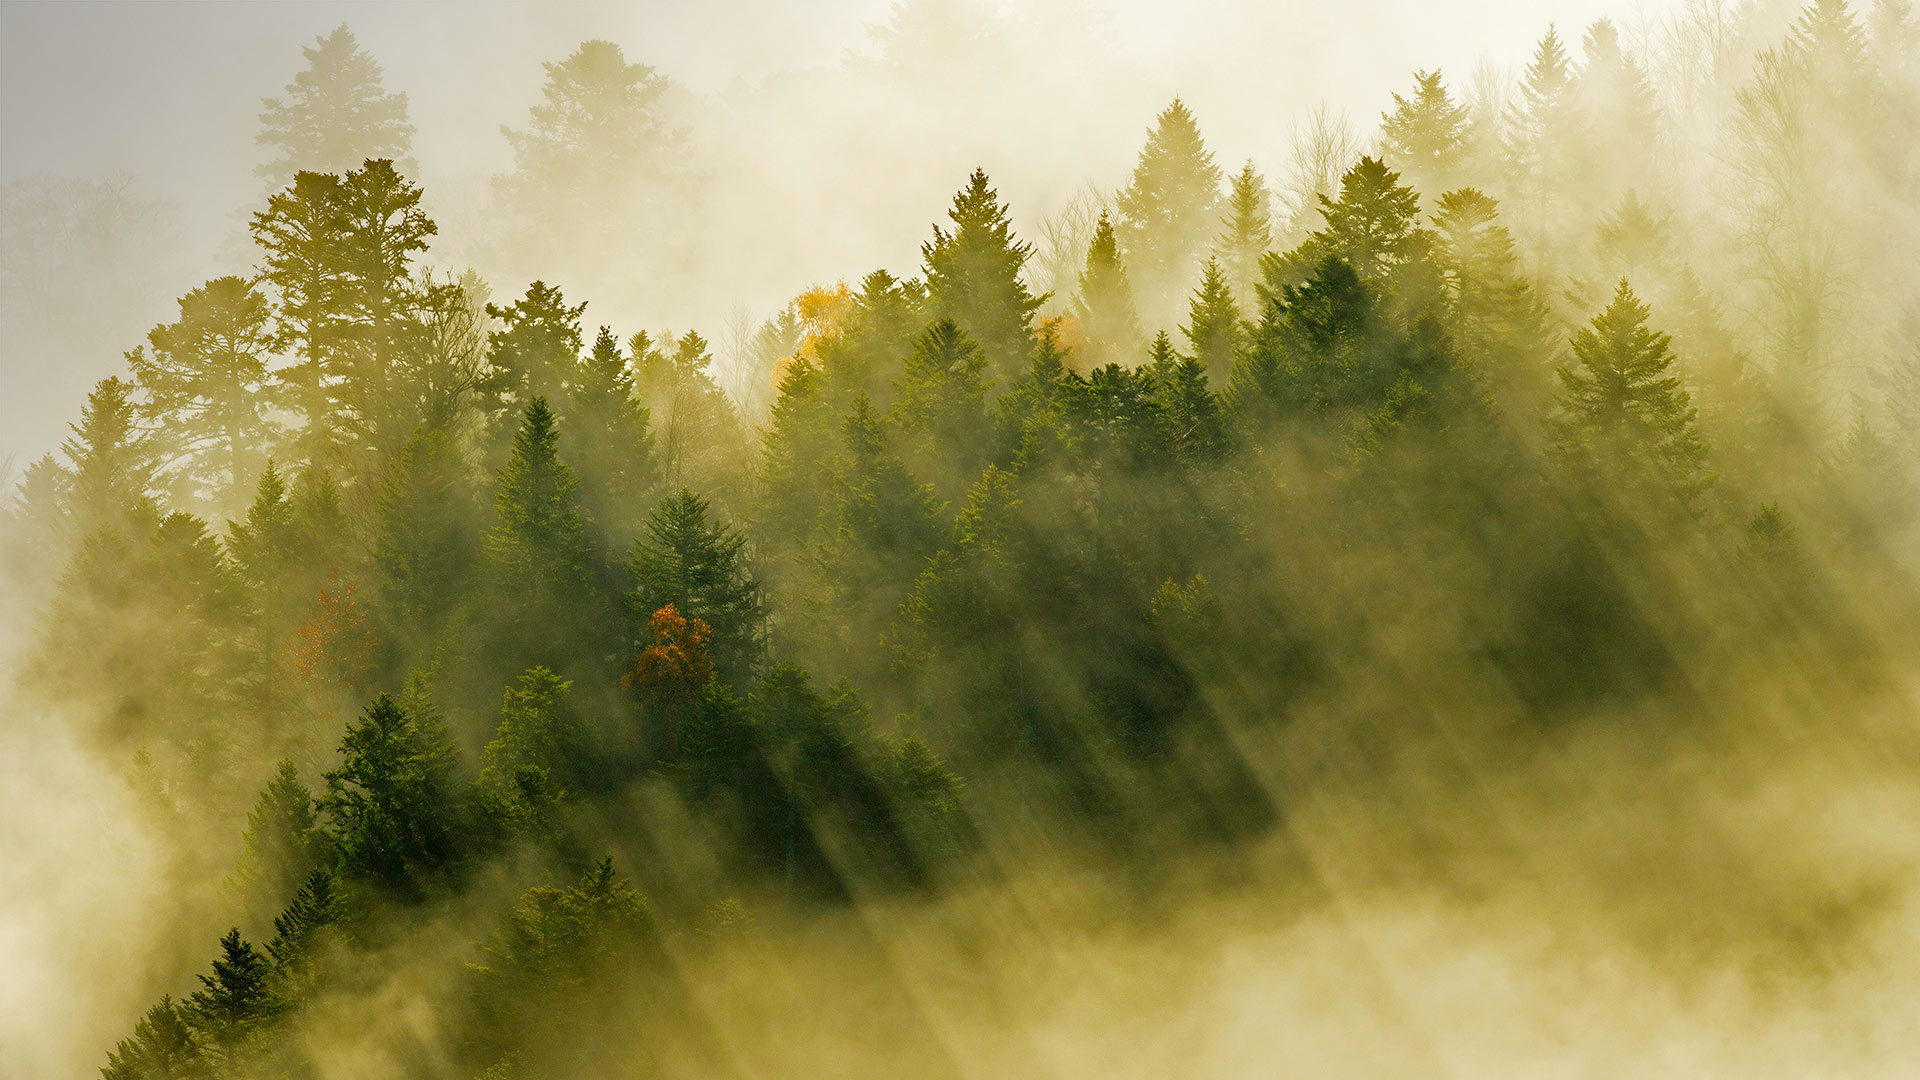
(165, 97)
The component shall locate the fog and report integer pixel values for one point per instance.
(1439, 601)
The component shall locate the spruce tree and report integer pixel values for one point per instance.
(615, 462)
(1192, 420)
(537, 731)
(699, 565)
(1168, 212)
(164, 1046)
(109, 472)
(1622, 411)
(1213, 329)
(539, 545)
(282, 843)
(336, 114)
(204, 383)
(536, 350)
(1424, 137)
(300, 928)
(394, 802)
(940, 407)
(236, 1000)
(1247, 234)
(1104, 305)
(425, 543)
(1617, 101)
(1496, 320)
(1545, 148)
(974, 279)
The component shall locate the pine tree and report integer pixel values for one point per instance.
(539, 543)
(236, 1000)
(536, 351)
(1104, 305)
(598, 124)
(1545, 155)
(163, 1047)
(425, 539)
(1168, 212)
(1248, 233)
(615, 463)
(382, 229)
(974, 279)
(336, 114)
(1191, 416)
(1623, 412)
(537, 731)
(1496, 320)
(394, 802)
(940, 407)
(109, 473)
(282, 843)
(699, 566)
(1617, 100)
(1424, 137)
(204, 383)
(300, 928)
(302, 238)
(1213, 330)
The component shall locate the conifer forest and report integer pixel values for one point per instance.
(1422, 591)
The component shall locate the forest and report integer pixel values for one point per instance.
(1500, 520)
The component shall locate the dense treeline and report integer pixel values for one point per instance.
(499, 602)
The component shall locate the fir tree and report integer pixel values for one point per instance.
(1247, 234)
(539, 543)
(282, 843)
(974, 279)
(1168, 212)
(163, 1047)
(425, 538)
(1623, 412)
(1213, 330)
(109, 471)
(616, 466)
(1424, 137)
(699, 566)
(299, 930)
(394, 803)
(336, 114)
(236, 1000)
(1190, 413)
(537, 731)
(536, 350)
(1104, 305)
(940, 406)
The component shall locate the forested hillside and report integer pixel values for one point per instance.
(1509, 510)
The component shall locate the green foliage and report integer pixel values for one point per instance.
(163, 1047)
(394, 803)
(975, 282)
(203, 382)
(1622, 409)
(1104, 305)
(1168, 211)
(698, 564)
(282, 844)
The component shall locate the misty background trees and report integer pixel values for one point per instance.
(441, 597)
